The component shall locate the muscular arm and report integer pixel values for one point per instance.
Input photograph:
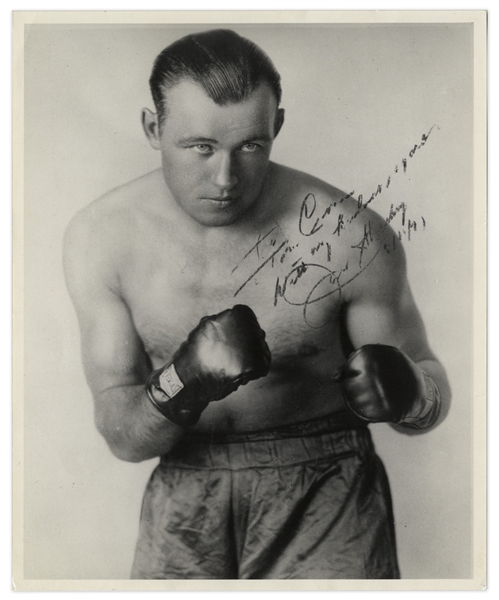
(380, 309)
(115, 363)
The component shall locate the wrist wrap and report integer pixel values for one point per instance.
(431, 407)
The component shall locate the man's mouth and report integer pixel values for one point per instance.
(231, 197)
(221, 200)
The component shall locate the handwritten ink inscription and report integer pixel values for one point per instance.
(323, 279)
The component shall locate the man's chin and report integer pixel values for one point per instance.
(222, 219)
(218, 213)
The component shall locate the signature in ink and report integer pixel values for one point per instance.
(332, 278)
(326, 281)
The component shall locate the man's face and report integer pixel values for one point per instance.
(215, 157)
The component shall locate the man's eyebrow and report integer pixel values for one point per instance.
(258, 137)
(204, 140)
(197, 140)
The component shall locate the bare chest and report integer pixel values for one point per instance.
(294, 294)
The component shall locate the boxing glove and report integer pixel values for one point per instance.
(223, 352)
(381, 384)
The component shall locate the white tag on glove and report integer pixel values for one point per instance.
(170, 382)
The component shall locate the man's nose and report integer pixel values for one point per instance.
(225, 174)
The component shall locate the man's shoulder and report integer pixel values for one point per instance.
(109, 217)
(295, 185)
(95, 240)
(341, 232)
(318, 205)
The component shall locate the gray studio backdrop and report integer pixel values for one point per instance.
(357, 98)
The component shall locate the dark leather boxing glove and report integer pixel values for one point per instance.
(223, 352)
(381, 384)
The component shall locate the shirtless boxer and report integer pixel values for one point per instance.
(244, 322)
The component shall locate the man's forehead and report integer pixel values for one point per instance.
(187, 93)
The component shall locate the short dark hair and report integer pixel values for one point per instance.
(228, 67)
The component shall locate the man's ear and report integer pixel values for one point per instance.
(279, 120)
(150, 126)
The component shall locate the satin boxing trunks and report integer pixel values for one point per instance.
(307, 501)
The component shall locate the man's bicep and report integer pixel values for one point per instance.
(385, 321)
(383, 311)
(112, 352)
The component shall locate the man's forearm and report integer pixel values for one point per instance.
(132, 426)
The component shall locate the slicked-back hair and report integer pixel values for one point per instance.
(227, 66)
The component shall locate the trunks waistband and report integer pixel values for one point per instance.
(318, 439)
(328, 424)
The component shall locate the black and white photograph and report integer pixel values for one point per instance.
(249, 306)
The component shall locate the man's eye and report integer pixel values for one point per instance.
(202, 148)
(249, 147)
